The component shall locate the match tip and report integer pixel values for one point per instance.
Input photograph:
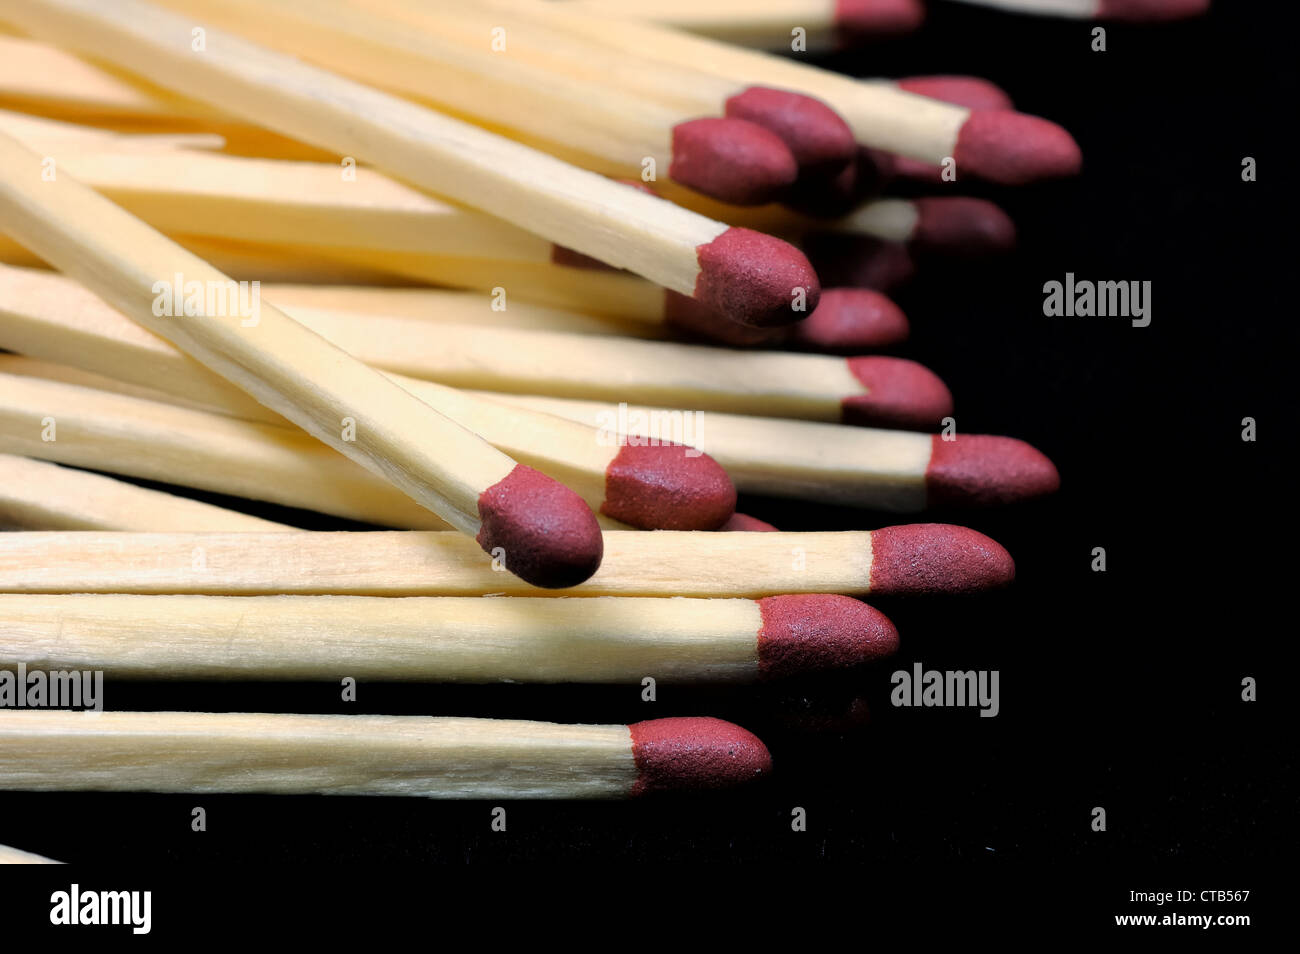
(981, 470)
(860, 261)
(900, 394)
(755, 279)
(744, 523)
(694, 754)
(1013, 148)
(811, 633)
(818, 138)
(879, 16)
(731, 160)
(1149, 11)
(936, 558)
(969, 91)
(849, 320)
(544, 533)
(962, 224)
(667, 487)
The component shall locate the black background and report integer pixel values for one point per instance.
(1119, 689)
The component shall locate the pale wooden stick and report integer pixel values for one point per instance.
(43, 134)
(570, 207)
(366, 755)
(461, 639)
(35, 495)
(335, 398)
(912, 558)
(12, 856)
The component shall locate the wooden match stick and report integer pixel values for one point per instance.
(899, 471)
(769, 25)
(442, 639)
(12, 856)
(1140, 11)
(41, 496)
(663, 486)
(613, 131)
(907, 559)
(747, 276)
(51, 750)
(44, 134)
(337, 399)
(1001, 146)
(47, 323)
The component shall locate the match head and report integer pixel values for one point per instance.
(744, 523)
(811, 633)
(936, 558)
(754, 279)
(818, 138)
(731, 160)
(696, 320)
(667, 487)
(960, 224)
(983, 471)
(547, 533)
(1013, 148)
(900, 394)
(878, 16)
(969, 91)
(850, 320)
(695, 754)
(1149, 11)
(860, 261)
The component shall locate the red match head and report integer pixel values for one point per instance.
(962, 225)
(667, 487)
(755, 279)
(731, 160)
(808, 633)
(878, 16)
(985, 471)
(545, 532)
(744, 523)
(851, 320)
(900, 394)
(919, 558)
(695, 754)
(819, 140)
(1013, 149)
(969, 91)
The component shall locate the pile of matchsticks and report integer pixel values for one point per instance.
(469, 327)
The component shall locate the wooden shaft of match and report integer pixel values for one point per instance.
(12, 856)
(1078, 9)
(636, 563)
(52, 319)
(883, 117)
(805, 460)
(435, 461)
(37, 495)
(44, 134)
(569, 206)
(326, 754)
(467, 639)
(469, 79)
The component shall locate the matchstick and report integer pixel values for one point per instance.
(1139, 11)
(747, 276)
(612, 131)
(1001, 146)
(770, 25)
(899, 471)
(416, 756)
(908, 559)
(12, 856)
(337, 399)
(442, 639)
(661, 486)
(35, 495)
(47, 323)
(51, 134)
